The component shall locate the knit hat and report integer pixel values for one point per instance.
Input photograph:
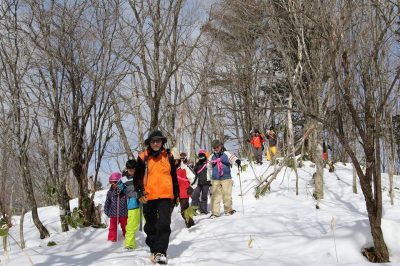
(216, 143)
(115, 176)
(202, 151)
(130, 164)
(155, 134)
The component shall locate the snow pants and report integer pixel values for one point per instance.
(132, 227)
(157, 214)
(113, 230)
(258, 154)
(271, 153)
(200, 197)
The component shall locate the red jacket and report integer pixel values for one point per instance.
(185, 176)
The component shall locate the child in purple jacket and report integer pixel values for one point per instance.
(116, 208)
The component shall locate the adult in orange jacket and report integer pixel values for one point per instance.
(157, 188)
(257, 142)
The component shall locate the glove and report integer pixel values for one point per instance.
(175, 201)
(189, 190)
(142, 196)
(238, 162)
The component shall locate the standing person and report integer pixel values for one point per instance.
(126, 185)
(186, 181)
(200, 193)
(257, 142)
(157, 188)
(272, 141)
(221, 181)
(115, 207)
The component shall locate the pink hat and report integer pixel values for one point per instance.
(202, 151)
(116, 176)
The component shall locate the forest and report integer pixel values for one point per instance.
(82, 83)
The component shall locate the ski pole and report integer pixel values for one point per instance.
(117, 214)
(241, 192)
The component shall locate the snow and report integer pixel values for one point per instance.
(277, 229)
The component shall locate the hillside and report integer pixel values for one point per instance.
(277, 229)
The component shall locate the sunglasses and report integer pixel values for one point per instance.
(155, 141)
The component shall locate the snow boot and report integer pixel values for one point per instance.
(189, 223)
(230, 212)
(159, 258)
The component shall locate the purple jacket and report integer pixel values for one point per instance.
(111, 208)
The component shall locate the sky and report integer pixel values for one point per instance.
(277, 229)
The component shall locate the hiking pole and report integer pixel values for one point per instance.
(117, 214)
(241, 192)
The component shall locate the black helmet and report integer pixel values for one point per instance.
(155, 134)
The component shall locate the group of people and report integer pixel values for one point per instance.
(160, 179)
(257, 142)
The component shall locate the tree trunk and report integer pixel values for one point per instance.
(28, 188)
(354, 172)
(21, 228)
(290, 140)
(118, 124)
(63, 204)
(319, 164)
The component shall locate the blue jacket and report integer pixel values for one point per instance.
(125, 184)
(225, 164)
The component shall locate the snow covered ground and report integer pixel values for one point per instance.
(277, 229)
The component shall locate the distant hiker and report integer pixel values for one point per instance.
(325, 149)
(257, 144)
(200, 193)
(157, 187)
(221, 179)
(272, 142)
(187, 182)
(115, 207)
(126, 185)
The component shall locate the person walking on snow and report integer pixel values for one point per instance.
(187, 182)
(257, 142)
(115, 207)
(272, 142)
(200, 193)
(126, 185)
(221, 181)
(157, 188)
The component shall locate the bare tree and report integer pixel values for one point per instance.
(330, 39)
(15, 56)
(164, 44)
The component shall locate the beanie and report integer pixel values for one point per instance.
(202, 151)
(115, 176)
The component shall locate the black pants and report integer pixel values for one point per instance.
(158, 224)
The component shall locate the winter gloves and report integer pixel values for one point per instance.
(238, 162)
(142, 196)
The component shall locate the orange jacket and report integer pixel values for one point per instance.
(160, 181)
(257, 141)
